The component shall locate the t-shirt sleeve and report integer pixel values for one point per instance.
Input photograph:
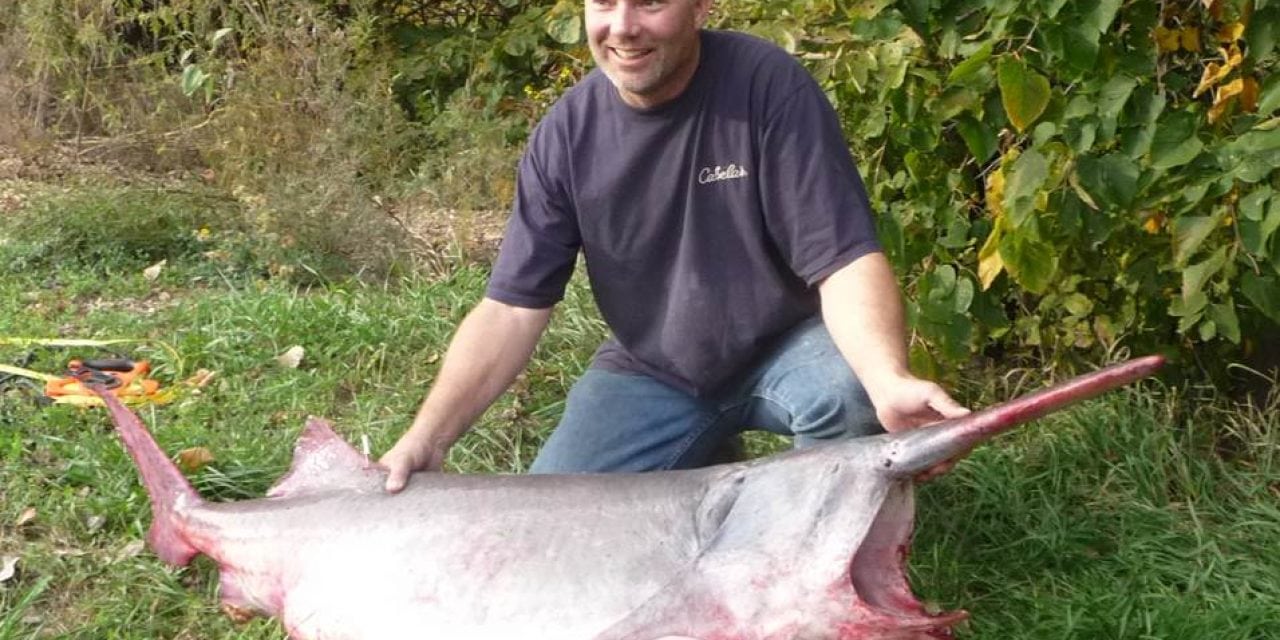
(815, 204)
(540, 245)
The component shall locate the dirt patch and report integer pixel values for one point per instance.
(449, 235)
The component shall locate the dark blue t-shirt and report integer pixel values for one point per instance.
(705, 223)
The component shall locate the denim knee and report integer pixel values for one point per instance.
(834, 406)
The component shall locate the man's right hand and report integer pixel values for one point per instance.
(492, 345)
(407, 456)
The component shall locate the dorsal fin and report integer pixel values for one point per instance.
(323, 461)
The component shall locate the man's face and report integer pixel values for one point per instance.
(647, 48)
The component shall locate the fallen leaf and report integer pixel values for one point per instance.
(201, 378)
(131, 550)
(194, 459)
(27, 516)
(292, 358)
(152, 272)
(8, 567)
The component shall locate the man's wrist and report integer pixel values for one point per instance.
(881, 384)
(426, 436)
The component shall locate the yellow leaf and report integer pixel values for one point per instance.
(194, 459)
(79, 401)
(1190, 38)
(995, 192)
(1233, 88)
(1154, 223)
(1209, 78)
(1215, 73)
(1222, 98)
(1233, 56)
(26, 373)
(1230, 32)
(990, 264)
(1249, 95)
(1166, 39)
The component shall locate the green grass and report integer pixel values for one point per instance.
(1153, 513)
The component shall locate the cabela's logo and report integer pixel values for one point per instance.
(718, 173)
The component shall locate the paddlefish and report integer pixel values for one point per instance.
(808, 544)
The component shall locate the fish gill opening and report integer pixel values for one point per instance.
(877, 570)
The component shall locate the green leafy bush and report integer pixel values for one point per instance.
(113, 229)
(1063, 178)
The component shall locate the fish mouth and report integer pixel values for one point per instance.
(877, 572)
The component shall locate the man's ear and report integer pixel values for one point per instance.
(702, 11)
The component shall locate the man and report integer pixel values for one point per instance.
(730, 248)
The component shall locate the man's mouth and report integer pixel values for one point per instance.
(629, 54)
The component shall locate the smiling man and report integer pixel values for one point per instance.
(730, 248)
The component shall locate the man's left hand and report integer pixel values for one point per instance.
(908, 402)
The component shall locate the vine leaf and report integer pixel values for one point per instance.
(1032, 263)
(971, 65)
(1175, 142)
(565, 29)
(1264, 293)
(1024, 93)
(990, 264)
(1111, 180)
(1189, 232)
(1026, 176)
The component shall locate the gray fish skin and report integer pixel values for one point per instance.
(804, 545)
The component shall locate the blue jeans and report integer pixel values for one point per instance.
(631, 422)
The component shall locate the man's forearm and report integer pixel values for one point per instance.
(490, 348)
(862, 309)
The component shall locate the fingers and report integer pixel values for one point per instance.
(946, 406)
(398, 476)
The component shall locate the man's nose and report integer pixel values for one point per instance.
(624, 21)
